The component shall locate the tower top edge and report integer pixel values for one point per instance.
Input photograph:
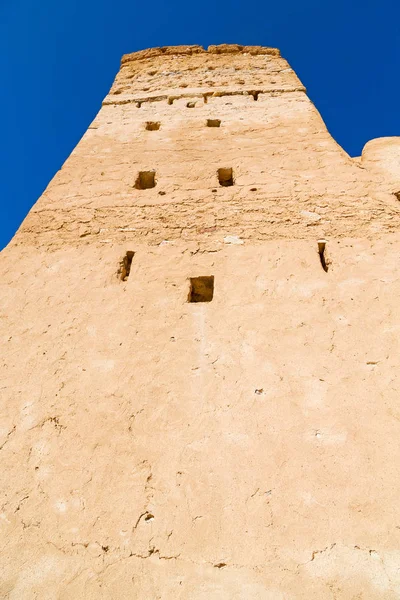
(195, 50)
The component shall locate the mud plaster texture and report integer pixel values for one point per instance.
(245, 448)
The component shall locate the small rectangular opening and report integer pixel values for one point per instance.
(225, 177)
(201, 289)
(125, 265)
(213, 122)
(145, 180)
(322, 256)
(153, 125)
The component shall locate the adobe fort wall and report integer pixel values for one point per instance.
(199, 379)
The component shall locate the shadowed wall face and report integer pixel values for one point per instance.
(193, 406)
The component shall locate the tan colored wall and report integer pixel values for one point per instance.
(382, 157)
(245, 448)
(291, 178)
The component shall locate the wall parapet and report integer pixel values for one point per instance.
(196, 49)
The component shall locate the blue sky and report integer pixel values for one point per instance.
(58, 60)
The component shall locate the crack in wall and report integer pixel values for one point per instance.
(9, 434)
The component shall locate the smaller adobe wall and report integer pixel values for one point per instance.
(382, 157)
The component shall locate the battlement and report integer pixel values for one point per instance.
(196, 49)
(179, 71)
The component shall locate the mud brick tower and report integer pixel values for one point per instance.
(199, 324)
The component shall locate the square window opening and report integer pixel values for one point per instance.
(201, 289)
(225, 177)
(213, 122)
(145, 180)
(153, 125)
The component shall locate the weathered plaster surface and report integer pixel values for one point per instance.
(245, 448)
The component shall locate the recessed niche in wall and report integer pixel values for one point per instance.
(191, 105)
(201, 289)
(213, 123)
(153, 125)
(225, 176)
(322, 255)
(125, 265)
(145, 180)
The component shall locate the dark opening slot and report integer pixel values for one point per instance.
(397, 194)
(322, 257)
(153, 125)
(145, 180)
(201, 289)
(255, 95)
(191, 105)
(225, 177)
(125, 266)
(213, 123)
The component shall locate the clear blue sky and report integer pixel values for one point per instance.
(58, 60)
